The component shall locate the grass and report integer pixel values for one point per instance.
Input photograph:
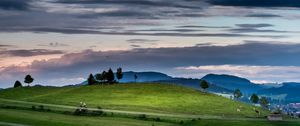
(53, 119)
(240, 123)
(35, 118)
(161, 98)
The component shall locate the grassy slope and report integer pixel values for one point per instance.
(53, 119)
(138, 97)
(241, 123)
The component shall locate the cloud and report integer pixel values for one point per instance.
(3, 46)
(199, 26)
(88, 31)
(263, 15)
(79, 65)
(254, 25)
(54, 44)
(140, 40)
(257, 3)
(15, 4)
(151, 3)
(123, 17)
(28, 53)
(248, 28)
(168, 30)
(135, 46)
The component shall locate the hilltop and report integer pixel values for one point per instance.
(146, 97)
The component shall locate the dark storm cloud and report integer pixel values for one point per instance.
(84, 18)
(121, 13)
(15, 4)
(28, 53)
(257, 3)
(151, 3)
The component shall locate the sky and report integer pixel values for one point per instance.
(61, 42)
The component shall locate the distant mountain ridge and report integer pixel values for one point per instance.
(233, 82)
(144, 76)
(290, 91)
(221, 84)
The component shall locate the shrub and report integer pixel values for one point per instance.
(41, 107)
(80, 111)
(157, 119)
(181, 122)
(142, 116)
(96, 113)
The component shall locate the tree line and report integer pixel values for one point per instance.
(105, 77)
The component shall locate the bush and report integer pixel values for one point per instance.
(157, 119)
(33, 107)
(97, 113)
(181, 122)
(80, 111)
(142, 116)
(41, 107)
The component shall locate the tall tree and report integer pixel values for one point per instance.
(28, 79)
(91, 80)
(135, 78)
(204, 84)
(237, 94)
(104, 76)
(99, 77)
(264, 102)
(17, 84)
(119, 74)
(110, 76)
(254, 98)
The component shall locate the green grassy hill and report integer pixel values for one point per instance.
(159, 98)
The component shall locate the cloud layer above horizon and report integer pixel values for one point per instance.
(61, 41)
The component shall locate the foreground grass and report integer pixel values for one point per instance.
(34, 118)
(53, 119)
(160, 98)
(241, 123)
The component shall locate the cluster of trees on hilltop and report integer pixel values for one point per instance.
(105, 77)
(263, 101)
(28, 79)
